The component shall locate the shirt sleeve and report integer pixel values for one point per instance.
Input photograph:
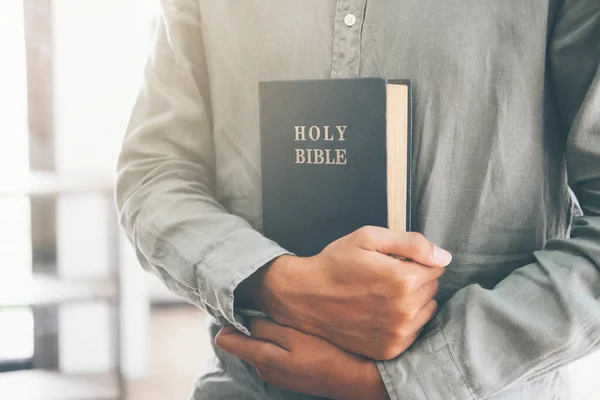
(166, 177)
(545, 314)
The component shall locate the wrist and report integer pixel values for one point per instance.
(271, 288)
(374, 384)
(263, 290)
(250, 293)
(364, 382)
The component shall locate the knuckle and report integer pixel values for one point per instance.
(407, 283)
(366, 233)
(400, 335)
(410, 313)
(419, 244)
(388, 317)
(405, 309)
(387, 353)
(391, 345)
(416, 236)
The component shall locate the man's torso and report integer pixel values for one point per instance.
(489, 181)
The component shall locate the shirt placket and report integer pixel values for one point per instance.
(349, 16)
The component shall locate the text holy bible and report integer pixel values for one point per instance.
(336, 156)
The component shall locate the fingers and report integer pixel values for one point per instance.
(410, 277)
(254, 351)
(411, 339)
(421, 298)
(265, 329)
(424, 316)
(411, 245)
(232, 341)
(423, 274)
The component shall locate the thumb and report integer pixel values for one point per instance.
(411, 245)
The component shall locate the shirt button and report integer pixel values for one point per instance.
(350, 19)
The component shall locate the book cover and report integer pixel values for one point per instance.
(333, 152)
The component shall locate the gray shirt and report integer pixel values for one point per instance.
(507, 118)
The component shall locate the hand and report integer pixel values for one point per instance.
(297, 361)
(354, 294)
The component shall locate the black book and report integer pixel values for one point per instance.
(336, 156)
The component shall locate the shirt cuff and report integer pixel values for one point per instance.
(427, 370)
(236, 259)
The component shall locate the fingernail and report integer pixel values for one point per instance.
(441, 255)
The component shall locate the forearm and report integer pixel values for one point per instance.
(166, 181)
(190, 244)
(372, 387)
(257, 291)
(540, 318)
(546, 314)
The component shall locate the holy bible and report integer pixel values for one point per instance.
(335, 156)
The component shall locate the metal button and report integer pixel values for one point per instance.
(350, 19)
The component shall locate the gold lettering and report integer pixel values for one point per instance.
(320, 156)
(341, 156)
(300, 133)
(341, 130)
(317, 135)
(319, 159)
(328, 159)
(309, 156)
(300, 156)
(326, 136)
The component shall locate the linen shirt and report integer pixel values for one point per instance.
(506, 161)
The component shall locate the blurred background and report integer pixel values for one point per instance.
(77, 312)
(79, 319)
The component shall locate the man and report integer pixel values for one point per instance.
(507, 108)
